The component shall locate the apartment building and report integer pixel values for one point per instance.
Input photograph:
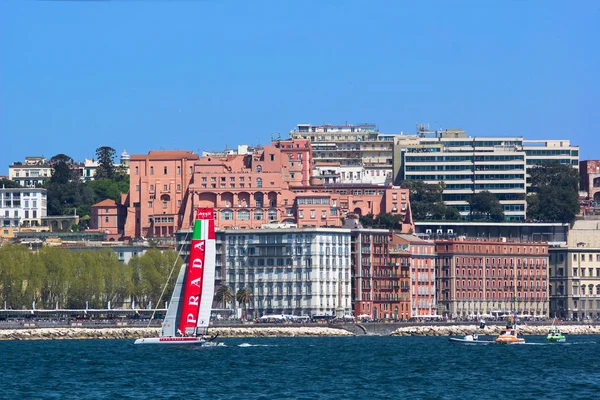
(21, 208)
(332, 173)
(574, 274)
(422, 257)
(468, 165)
(32, 172)
(362, 153)
(492, 278)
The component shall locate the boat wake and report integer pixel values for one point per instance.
(255, 345)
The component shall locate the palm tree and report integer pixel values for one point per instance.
(244, 295)
(224, 295)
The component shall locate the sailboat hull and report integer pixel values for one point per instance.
(171, 340)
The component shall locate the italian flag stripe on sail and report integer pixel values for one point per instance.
(193, 283)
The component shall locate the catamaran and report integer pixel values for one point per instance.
(188, 313)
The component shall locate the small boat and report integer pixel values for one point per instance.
(188, 313)
(555, 335)
(510, 334)
(470, 340)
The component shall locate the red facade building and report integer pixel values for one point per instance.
(480, 278)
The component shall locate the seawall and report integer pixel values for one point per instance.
(135, 333)
(287, 331)
(461, 330)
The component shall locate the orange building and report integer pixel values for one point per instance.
(484, 278)
(270, 184)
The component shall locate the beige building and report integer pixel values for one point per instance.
(32, 172)
(359, 146)
(574, 274)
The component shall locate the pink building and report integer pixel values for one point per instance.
(422, 274)
(105, 217)
(270, 184)
(158, 185)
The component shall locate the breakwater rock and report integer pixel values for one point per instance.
(135, 333)
(461, 330)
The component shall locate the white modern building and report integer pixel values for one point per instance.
(302, 272)
(21, 208)
(467, 165)
(332, 173)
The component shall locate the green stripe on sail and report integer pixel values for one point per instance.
(197, 235)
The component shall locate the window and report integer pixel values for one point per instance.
(258, 215)
(272, 157)
(312, 213)
(178, 170)
(149, 204)
(178, 203)
(137, 188)
(259, 168)
(165, 187)
(151, 170)
(272, 215)
(137, 170)
(243, 215)
(232, 179)
(300, 213)
(165, 170)
(164, 204)
(258, 182)
(178, 187)
(152, 188)
(105, 219)
(227, 215)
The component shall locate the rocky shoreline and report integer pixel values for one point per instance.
(136, 333)
(461, 330)
(282, 331)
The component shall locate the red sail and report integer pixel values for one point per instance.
(190, 306)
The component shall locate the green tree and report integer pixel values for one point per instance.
(14, 261)
(117, 277)
(150, 273)
(8, 184)
(106, 165)
(426, 202)
(244, 296)
(555, 193)
(487, 204)
(224, 295)
(62, 171)
(367, 220)
(58, 264)
(87, 284)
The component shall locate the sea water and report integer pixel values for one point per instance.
(302, 368)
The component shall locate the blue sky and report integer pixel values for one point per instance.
(205, 75)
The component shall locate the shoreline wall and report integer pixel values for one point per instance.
(280, 331)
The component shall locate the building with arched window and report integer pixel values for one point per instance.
(247, 188)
